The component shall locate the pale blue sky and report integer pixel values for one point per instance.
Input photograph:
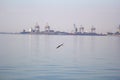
(16, 15)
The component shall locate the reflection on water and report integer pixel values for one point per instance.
(35, 57)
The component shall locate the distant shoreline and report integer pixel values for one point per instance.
(61, 33)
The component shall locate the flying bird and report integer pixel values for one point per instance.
(59, 45)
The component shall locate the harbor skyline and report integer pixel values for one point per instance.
(59, 14)
(76, 31)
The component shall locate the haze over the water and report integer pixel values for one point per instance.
(16, 15)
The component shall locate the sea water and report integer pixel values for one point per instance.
(35, 57)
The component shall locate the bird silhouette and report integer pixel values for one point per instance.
(59, 46)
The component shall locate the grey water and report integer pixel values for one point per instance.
(35, 57)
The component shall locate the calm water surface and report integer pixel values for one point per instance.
(35, 57)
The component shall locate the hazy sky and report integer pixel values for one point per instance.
(16, 15)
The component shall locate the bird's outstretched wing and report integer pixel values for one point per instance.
(59, 45)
